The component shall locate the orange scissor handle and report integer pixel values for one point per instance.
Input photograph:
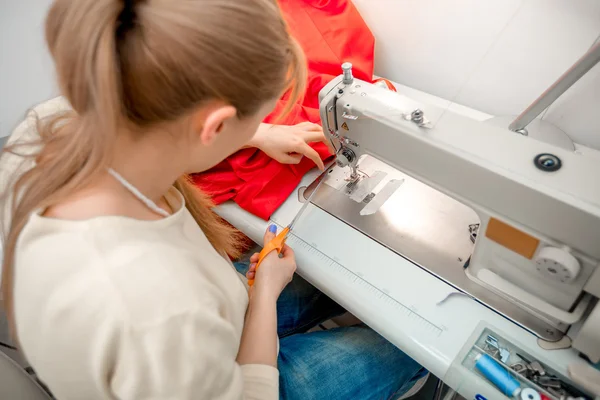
(277, 243)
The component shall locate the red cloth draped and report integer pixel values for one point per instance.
(330, 32)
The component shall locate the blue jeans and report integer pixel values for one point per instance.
(342, 363)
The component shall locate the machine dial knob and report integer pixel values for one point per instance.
(557, 264)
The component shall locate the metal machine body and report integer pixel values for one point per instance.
(531, 208)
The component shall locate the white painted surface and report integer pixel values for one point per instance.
(26, 70)
(496, 56)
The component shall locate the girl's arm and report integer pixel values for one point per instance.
(259, 338)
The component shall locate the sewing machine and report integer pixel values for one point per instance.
(454, 238)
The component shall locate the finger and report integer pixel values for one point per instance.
(287, 251)
(314, 136)
(315, 127)
(270, 234)
(305, 125)
(290, 159)
(251, 271)
(330, 146)
(254, 258)
(313, 155)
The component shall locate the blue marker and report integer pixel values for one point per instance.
(498, 375)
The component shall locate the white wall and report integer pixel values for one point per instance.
(26, 74)
(496, 56)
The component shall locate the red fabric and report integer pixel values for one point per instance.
(389, 85)
(330, 32)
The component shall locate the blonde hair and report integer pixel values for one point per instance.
(140, 63)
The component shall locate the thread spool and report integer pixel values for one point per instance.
(530, 394)
(498, 375)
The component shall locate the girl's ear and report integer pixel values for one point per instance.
(209, 123)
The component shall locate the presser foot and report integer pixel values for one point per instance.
(355, 177)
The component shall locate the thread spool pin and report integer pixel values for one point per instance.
(348, 77)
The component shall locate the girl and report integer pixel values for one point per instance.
(115, 274)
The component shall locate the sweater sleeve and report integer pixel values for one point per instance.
(189, 356)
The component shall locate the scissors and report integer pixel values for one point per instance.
(278, 243)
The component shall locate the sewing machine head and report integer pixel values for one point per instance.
(535, 206)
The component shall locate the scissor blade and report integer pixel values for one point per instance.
(320, 180)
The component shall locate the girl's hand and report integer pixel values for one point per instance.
(288, 144)
(274, 273)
